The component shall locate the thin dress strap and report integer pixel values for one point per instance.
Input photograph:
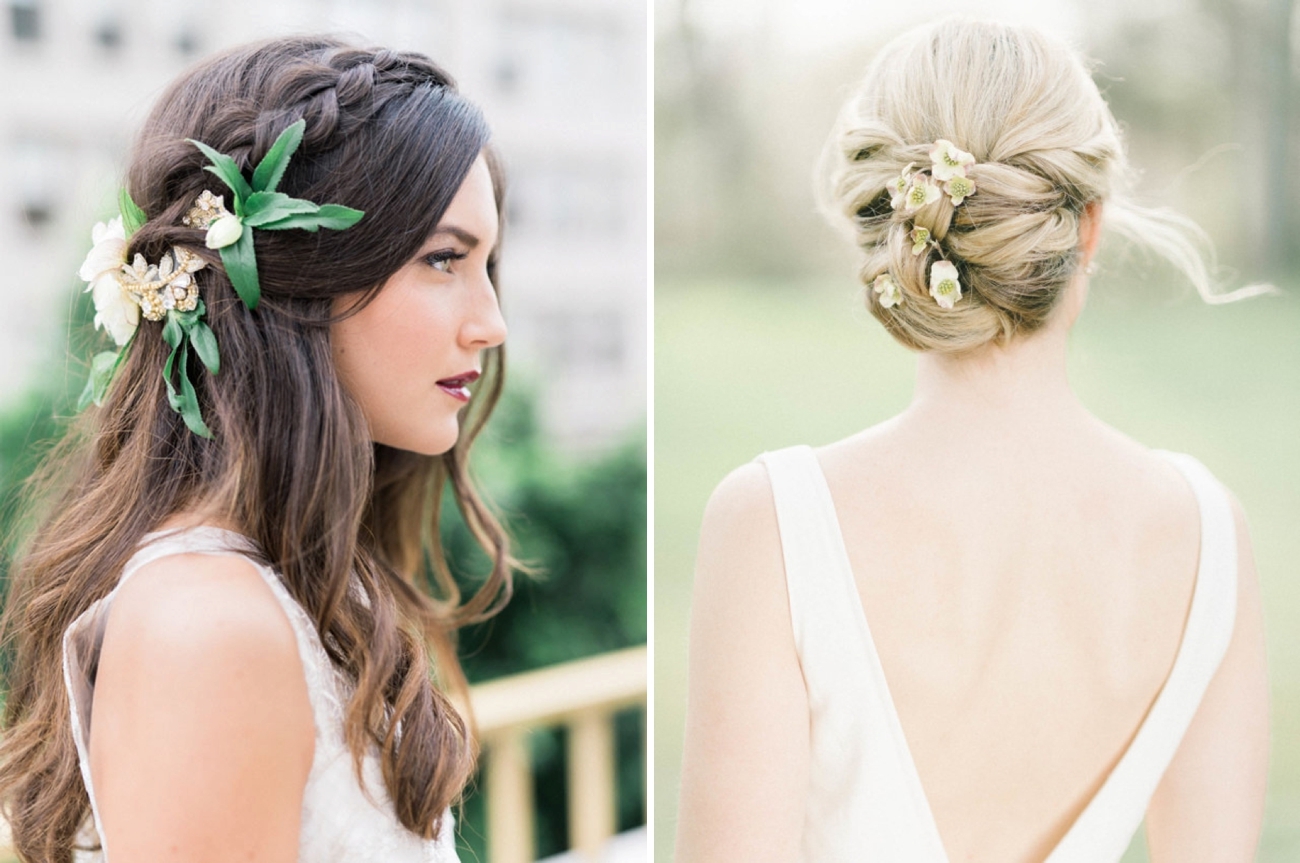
(854, 731)
(1107, 825)
(810, 544)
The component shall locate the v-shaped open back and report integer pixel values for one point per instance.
(865, 797)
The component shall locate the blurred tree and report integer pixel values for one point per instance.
(581, 525)
(1259, 33)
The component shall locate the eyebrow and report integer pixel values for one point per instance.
(459, 233)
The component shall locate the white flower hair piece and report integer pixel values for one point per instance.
(920, 193)
(123, 291)
(959, 188)
(898, 189)
(167, 290)
(890, 293)
(945, 286)
(113, 310)
(948, 161)
(920, 237)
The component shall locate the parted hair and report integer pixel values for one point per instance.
(351, 525)
(1045, 144)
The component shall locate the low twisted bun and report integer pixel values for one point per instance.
(1045, 145)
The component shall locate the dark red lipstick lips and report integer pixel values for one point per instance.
(458, 386)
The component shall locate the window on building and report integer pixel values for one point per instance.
(108, 34)
(555, 57)
(569, 198)
(25, 20)
(35, 163)
(187, 41)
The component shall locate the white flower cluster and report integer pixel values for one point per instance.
(121, 290)
(209, 212)
(916, 189)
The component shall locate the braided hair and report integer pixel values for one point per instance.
(351, 525)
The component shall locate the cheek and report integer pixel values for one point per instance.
(393, 351)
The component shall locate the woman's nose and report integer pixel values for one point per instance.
(486, 328)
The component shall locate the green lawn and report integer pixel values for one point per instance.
(742, 368)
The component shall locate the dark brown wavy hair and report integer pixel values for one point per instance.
(291, 463)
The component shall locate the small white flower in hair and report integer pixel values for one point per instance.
(920, 237)
(225, 231)
(898, 189)
(890, 293)
(948, 161)
(922, 192)
(959, 188)
(945, 287)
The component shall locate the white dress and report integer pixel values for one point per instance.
(339, 822)
(865, 799)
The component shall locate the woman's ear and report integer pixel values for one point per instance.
(1089, 230)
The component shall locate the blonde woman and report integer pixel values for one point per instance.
(991, 628)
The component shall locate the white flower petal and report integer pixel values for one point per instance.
(224, 232)
(890, 293)
(114, 310)
(945, 286)
(948, 161)
(112, 229)
(108, 250)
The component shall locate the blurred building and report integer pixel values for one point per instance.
(563, 83)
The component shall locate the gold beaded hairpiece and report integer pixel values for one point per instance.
(167, 290)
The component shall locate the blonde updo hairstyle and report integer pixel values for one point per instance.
(1045, 146)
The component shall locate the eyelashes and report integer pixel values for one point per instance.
(442, 259)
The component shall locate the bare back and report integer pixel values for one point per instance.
(1027, 602)
(1026, 579)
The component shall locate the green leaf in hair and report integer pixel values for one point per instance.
(132, 216)
(267, 174)
(101, 375)
(226, 169)
(263, 207)
(336, 217)
(205, 345)
(241, 268)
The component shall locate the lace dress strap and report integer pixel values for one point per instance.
(342, 818)
(84, 637)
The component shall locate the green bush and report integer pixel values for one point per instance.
(581, 525)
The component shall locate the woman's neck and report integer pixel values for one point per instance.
(1019, 389)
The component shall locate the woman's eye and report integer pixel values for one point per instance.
(442, 260)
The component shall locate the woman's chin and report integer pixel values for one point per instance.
(434, 439)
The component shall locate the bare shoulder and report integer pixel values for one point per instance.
(745, 687)
(200, 706)
(744, 497)
(739, 539)
(187, 626)
(198, 614)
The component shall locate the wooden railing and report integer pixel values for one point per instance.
(583, 696)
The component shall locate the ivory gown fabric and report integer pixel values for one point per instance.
(865, 800)
(339, 822)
